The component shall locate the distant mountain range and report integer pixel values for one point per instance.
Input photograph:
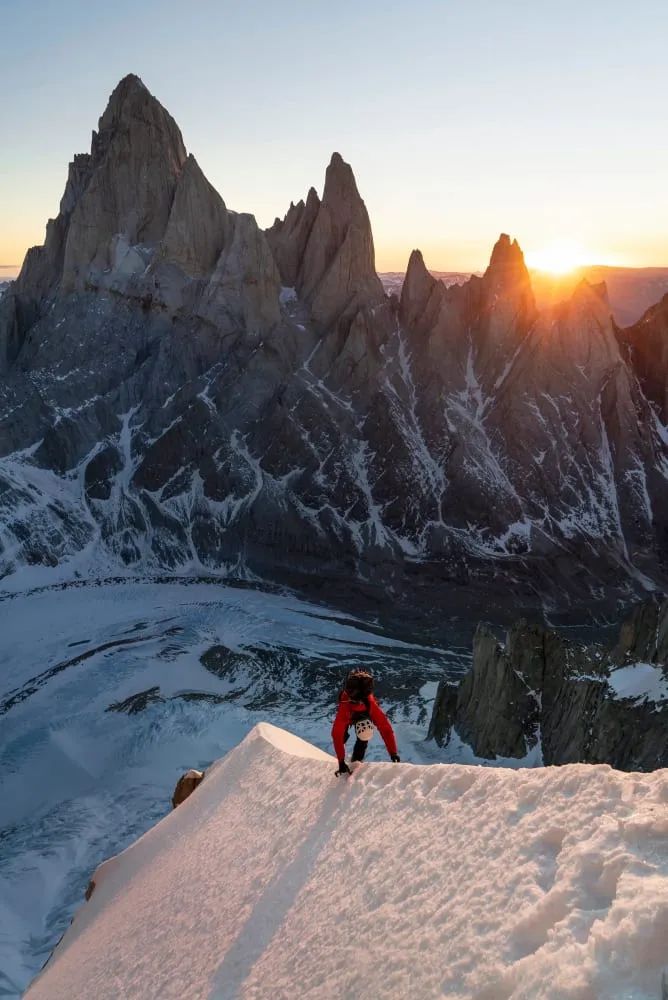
(631, 290)
(182, 391)
(393, 280)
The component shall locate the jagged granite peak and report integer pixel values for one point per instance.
(507, 256)
(421, 294)
(581, 328)
(335, 271)
(288, 237)
(137, 156)
(599, 288)
(139, 220)
(123, 188)
(500, 305)
(128, 95)
(198, 224)
(508, 278)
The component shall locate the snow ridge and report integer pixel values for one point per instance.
(472, 883)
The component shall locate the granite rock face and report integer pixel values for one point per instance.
(181, 390)
(127, 186)
(198, 226)
(548, 697)
(325, 249)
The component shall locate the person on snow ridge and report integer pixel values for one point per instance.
(359, 708)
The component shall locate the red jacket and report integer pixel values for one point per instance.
(344, 718)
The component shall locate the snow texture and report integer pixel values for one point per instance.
(277, 879)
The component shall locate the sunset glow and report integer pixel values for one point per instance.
(562, 257)
(458, 84)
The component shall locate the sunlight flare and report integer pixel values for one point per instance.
(561, 257)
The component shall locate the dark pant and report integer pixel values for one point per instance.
(359, 749)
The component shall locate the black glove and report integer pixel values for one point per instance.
(396, 759)
(343, 768)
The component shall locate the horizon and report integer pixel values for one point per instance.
(9, 272)
(447, 149)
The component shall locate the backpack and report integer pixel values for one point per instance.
(358, 686)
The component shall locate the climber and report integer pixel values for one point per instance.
(359, 708)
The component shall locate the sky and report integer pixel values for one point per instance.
(462, 119)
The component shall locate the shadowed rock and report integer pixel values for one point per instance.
(288, 237)
(542, 692)
(186, 785)
(646, 348)
(198, 224)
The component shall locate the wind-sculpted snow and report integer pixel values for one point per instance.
(108, 692)
(275, 877)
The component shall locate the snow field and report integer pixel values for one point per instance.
(277, 879)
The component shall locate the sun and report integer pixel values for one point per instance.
(559, 257)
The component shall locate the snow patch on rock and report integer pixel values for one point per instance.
(641, 682)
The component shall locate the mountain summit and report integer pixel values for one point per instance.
(325, 249)
(184, 391)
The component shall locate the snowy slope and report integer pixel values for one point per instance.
(277, 879)
(80, 780)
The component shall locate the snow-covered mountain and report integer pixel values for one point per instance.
(182, 391)
(275, 878)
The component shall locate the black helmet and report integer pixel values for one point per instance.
(359, 684)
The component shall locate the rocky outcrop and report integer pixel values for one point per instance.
(494, 710)
(646, 347)
(186, 785)
(243, 291)
(421, 296)
(568, 703)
